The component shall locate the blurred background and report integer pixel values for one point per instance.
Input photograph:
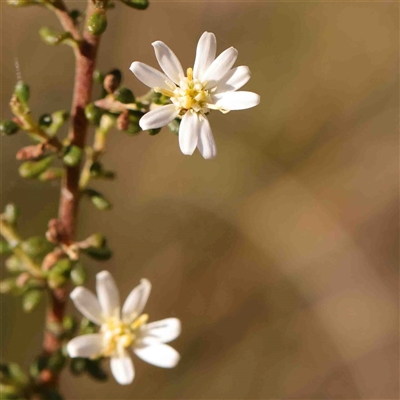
(281, 255)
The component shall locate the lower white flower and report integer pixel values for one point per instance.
(124, 329)
(210, 85)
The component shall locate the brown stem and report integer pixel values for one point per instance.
(85, 63)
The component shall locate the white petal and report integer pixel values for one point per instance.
(165, 330)
(136, 300)
(234, 79)
(205, 54)
(237, 100)
(160, 355)
(219, 67)
(107, 293)
(150, 76)
(122, 368)
(86, 302)
(189, 133)
(158, 117)
(86, 346)
(168, 61)
(206, 144)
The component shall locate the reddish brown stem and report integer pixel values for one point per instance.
(69, 200)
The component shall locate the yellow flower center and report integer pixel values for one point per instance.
(118, 335)
(190, 94)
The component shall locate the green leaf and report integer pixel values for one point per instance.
(4, 247)
(124, 95)
(78, 275)
(8, 127)
(22, 91)
(7, 285)
(72, 156)
(31, 169)
(54, 38)
(78, 365)
(93, 114)
(100, 254)
(138, 4)
(36, 246)
(31, 299)
(11, 213)
(98, 199)
(97, 23)
(95, 370)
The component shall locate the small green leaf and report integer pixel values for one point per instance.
(59, 274)
(95, 370)
(7, 285)
(97, 23)
(138, 4)
(153, 132)
(22, 91)
(31, 299)
(5, 248)
(31, 169)
(124, 95)
(37, 246)
(8, 127)
(78, 365)
(78, 275)
(72, 155)
(11, 213)
(98, 199)
(14, 264)
(100, 254)
(53, 38)
(93, 114)
(51, 174)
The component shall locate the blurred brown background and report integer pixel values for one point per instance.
(281, 255)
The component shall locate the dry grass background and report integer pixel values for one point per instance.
(281, 255)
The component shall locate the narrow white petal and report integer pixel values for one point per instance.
(86, 302)
(107, 293)
(206, 144)
(237, 100)
(219, 67)
(168, 61)
(189, 133)
(234, 79)
(122, 368)
(160, 355)
(205, 54)
(165, 330)
(136, 300)
(158, 117)
(85, 346)
(150, 76)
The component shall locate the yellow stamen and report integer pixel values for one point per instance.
(165, 92)
(189, 73)
(139, 321)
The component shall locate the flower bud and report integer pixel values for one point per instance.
(78, 275)
(93, 114)
(97, 22)
(8, 127)
(53, 38)
(11, 213)
(22, 91)
(7, 285)
(31, 169)
(31, 299)
(124, 95)
(51, 174)
(58, 119)
(72, 155)
(98, 199)
(138, 4)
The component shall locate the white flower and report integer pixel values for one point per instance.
(123, 329)
(210, 85)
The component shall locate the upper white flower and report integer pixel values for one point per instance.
(210, 85)
(123, 329)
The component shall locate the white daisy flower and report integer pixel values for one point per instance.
(210, 85)
(123, 329)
